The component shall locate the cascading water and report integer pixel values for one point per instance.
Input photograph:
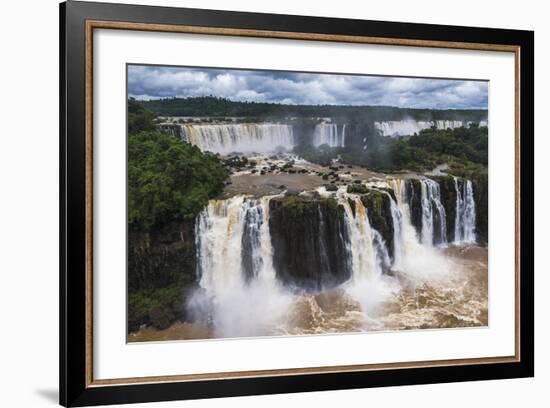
(434, 224)
(397, 222)
(369, 257)
(252, 259)
(344, 135)
(219, 240)
(243, 138)
(409, 127)
(449, 124)
(365, 246)
(381, 250)
(408, 239)
(416, 259)
(465, 221)
(239, 290)
(401, 127)
(361, 247)
(330, 134)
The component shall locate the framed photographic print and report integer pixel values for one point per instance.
(256, 203)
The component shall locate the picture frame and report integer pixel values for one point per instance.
(79, 20)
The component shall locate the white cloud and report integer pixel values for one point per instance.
(152, 82)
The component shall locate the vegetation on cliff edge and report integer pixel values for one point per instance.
(168, 180)
(169, 183)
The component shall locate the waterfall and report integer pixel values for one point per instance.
(343, 135)
(383, 259)
(219, 242)
(234, 243)
(395, 128)
(239, 291)
(416, 259)
(465, 220)
(408, 239)
(243, 138)
(251, 244)
(242, 287)
(327, 133)
(361, 246)
(366, 248)
(401, 127)
(434, 224)
(397, 222)
(242, 290)
(369, 257)
(448, 124)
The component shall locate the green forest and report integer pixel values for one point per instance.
(464, 150)
(169, 183)
(168, 180)
(214, 106)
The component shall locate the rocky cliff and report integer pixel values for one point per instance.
(309, 240)
(161, 269)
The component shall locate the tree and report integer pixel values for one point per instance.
(168, 180)
(139, 118)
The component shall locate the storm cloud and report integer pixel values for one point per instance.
(156, 82)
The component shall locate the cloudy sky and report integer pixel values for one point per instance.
(153, 82)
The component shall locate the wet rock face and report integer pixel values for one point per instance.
(309, 240)
(161, 267)
(157, 259)
(414, 195)
(251, 239)
(378, 207)
(481, 199)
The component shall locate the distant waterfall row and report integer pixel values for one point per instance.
(409, 127)
(258, 138)
(270, 137)
(329, 134)
(244, 138)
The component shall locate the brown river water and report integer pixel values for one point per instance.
(452, 300)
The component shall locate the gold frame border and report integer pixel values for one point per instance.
(100, 24)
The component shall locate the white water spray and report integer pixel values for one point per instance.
(240, 302)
